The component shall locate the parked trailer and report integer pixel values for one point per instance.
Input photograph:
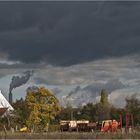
(82, 125)
(77, 125)
(64, 125)
(73, 125)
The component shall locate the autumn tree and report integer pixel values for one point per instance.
(42, 106)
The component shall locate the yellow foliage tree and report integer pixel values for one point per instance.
(42, 106)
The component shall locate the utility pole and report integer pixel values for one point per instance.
(121, 121)
(71, 114)
(132, 121)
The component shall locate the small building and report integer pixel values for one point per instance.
(5, 106)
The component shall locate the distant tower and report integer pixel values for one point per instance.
(10, 98)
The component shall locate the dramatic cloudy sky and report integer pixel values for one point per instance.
(74, 48)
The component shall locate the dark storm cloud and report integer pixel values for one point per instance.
(66, 33)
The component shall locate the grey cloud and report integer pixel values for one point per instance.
(101, 71)
(21, 66)
(69, 33)
(118, 97)
(89, 93)
(39, 80)
(83, 82)
(73, 92)
(56, 90)
(9, 69)
(111, 85)
(93, 90)
(12, 69)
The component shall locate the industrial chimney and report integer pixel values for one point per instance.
(18, 81)
(10, 97)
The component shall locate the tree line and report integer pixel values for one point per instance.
(41, 108)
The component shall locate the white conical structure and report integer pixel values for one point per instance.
(4, 102)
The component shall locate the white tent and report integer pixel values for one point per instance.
(4, 102)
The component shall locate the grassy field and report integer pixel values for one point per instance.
(69, 135)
